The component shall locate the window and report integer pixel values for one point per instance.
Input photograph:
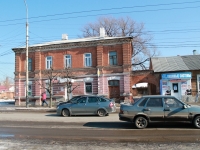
(102, 100)
(68, 62)
(48, 62)
(155, 102)
(142, 104)
(112, 58)
(88, 87)
(88, 60)
(82, 100)
(113, 83)
(92, 100)
(29, 64)
(173, 103)
(29, 90)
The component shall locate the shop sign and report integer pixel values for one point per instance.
(180, 75)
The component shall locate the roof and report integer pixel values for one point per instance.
(75, 41)
(176, 63)
(3, 88)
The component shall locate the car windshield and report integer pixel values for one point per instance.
(74, 99)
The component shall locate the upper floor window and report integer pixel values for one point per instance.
(48, 62)
(88, 59)
(113, 58)
(29, 64)
(68, 61)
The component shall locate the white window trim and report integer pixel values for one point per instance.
(48, 61)
(85, 61)
(65, 59)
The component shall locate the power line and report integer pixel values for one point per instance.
(105, 9)
(107, 13)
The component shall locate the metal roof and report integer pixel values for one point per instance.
(176, 63)
(75, 41)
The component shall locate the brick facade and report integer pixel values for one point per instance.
(99, 48)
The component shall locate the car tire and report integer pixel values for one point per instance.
(196, 122)
(141, 122)
(101, 112)
(65, 113)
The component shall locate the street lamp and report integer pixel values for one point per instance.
(27, 100)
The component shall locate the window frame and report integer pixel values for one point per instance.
(113, 59)
(49, 63)
(86, 58)
(30, 90)
(153, 99)
(68, 60)
(86, 88)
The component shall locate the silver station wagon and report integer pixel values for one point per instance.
(87, 105)
(159, 108)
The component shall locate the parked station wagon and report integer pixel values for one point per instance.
(87, 105)
(159, 108)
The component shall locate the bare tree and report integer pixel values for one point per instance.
(51, 76)
(142, 48)
(68, 82)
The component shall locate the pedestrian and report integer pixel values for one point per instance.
(44, 96)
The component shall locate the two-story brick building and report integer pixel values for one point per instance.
(101, 65)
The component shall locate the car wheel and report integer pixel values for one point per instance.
(101, 112)
(65, 113)
(141, 122)
(197, 122)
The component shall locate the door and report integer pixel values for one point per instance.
(175, 111)
(155, 110)
(176, 90)
(92, 105)
(79, 106)
(114, 90)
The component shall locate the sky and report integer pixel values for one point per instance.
(173, 25)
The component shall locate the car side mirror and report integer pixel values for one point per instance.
(184, 106)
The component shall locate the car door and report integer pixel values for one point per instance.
(154, 109)
(175, 111)
(79, 106)
(92, 105)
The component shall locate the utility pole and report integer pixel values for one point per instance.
(27, 99)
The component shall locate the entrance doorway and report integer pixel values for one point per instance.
(114, 90)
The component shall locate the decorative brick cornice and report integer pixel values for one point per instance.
(72, 45)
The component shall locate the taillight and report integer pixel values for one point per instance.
(111, 104)
(121, 111)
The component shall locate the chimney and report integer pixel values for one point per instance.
(64, 37)
(194, 52)
(102, 32)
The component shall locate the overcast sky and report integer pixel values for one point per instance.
(173, 25)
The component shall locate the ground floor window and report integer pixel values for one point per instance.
(29, 90)
(113, 83)
(88, 87)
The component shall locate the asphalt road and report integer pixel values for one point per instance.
(85, 128)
